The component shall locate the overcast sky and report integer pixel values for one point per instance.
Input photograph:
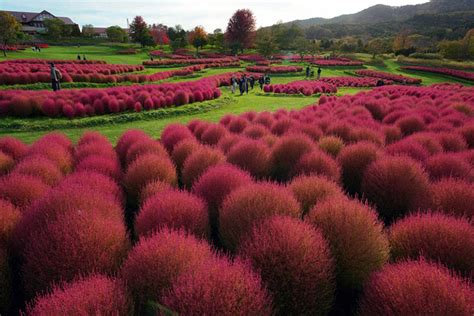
(211, 14)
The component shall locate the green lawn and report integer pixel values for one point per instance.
(153, 123)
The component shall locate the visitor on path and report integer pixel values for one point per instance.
(267, 79)
(252, 82)
(84, 57)
(233, 84)
(308, 71)
(241, 86)
(78, 57)
(56, 76)
(380, 83)
(261, 82)
(319, 73)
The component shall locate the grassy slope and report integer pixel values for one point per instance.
(233, 104)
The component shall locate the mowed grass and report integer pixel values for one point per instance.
(230, 104)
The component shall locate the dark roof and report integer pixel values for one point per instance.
(26, 17)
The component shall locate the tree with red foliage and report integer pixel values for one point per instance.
(240, 32)
(159, 34)
(197, 38)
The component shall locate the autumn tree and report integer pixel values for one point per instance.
(159, 34)
(54, 28)
(9, 30)
(139, 32)
(116, 34)
(197, 38)
(266, 43)
(240, 32)
(378, 46)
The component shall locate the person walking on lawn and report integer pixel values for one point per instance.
(56, 76)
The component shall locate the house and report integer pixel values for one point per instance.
(33, 22)
(101, 32)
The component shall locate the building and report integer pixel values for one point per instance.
(101, 32)
(33, 22)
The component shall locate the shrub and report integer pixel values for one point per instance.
(396, 185)
(317, 163)
(198, 162)
(144, 147)
(85, 243)
(6, 163)
(286, 151)
(213, 134)
(153, 188)
(453, 197)
(95, 294)
(173, 134)
(436, 237)
(355, 236)
(13, 147)
(416, 288)
(408, 148)
(156, 261)
(252, 156)
(452, 142)
(331, 144)
(218, 288)
(411, 124)
(146, 169)
(467, 132)
(217, 183)
(250, 204)
(255, 131)
(93, 149)
(310, 190)
(449, 166)
(104, 165)
(173, 209)
(21, 190)
(92, 137)
(392, 134)
(230, 140)
(182, 150)
(354, 160)
(295, 264)
(9, 218)
(127, 139)
(237, 125)
(55, 152)
(41, 168)
(5, 281)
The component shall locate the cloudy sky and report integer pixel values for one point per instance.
(211, 14)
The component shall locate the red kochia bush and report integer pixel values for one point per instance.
(182, 150)
(104, 165)
(153, 188)
(144, 147)
(355, 236)
(310, 190)
(41, 168)
(411, 124)
(173, 209)
(416, 288)
(251, 204)
(21, 189)
(55, 152)
(85, 242)
(436, 237)
(213, 134)
(354, 160)
(6, 163)
(331, 144)
(396, 185)
(286, 152)
(218, 182)
(146, 169)
(449, 165)
(96, 294)
(173, 134)
(198, 162)
(127, 139)
(156, 261)
(9, 218)
(453, 197)
(219, 288)
(12, 147)
(252, 156)
(295, 264)
(317, 163)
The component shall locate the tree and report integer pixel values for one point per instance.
(266, 43)
(313, 48)
(116, 34)
(177, 37)
(139, 32)
(378, 46)
(54, 28)
(240, 32)
(302, 47)
(159, 34)
(198, 38)
(217, 39)
(88, 30)
(9, 30)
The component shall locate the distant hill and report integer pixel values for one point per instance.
(384, 13)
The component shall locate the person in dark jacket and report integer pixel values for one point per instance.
(308, 71)
(261, 82)
(319, 73)
(241, 86)
(252, 82)
(56, 76)
(78, 57)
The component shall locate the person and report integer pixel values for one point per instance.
(56, 76)
(252, 82)
(261, 81)
(319, 73)
(151, 57)
(308, 70)
(380, 83)
(84, 57)
(267, 79)
(312, 74)
(233, 84)
(246, 84)
(78, 57)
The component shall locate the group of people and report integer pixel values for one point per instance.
(36, 48)
(245, 82)
(79, 57)
(310, 72)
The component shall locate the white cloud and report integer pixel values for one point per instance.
(189, 13)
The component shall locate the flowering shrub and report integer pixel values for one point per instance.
(337, 62)
(304, 87)
(274, 69)
(443, 71)
(211, 62)
(353, 81)
(9, 218)
(388, 76)
(453, 197)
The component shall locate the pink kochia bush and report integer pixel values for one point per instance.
(295, 263)
(252, 156)
(9, 218)
(156, 261)
(219, 287)
(453, 197)
(444, 71)
(198, 162)
(416, 288)
(353, 81)
(96, 294)
(173, 209)
(304, 87)
(274, 69)
(21, 190)
(436, 237)
(250, 204)
(388, 76)
(355, 236)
